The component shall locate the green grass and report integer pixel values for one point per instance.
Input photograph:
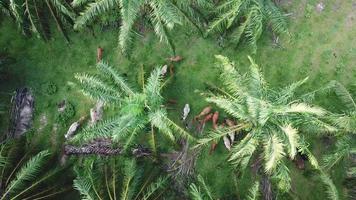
(322, 46)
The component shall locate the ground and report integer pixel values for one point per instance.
(321, 46)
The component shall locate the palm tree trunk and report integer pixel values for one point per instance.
(87, 150)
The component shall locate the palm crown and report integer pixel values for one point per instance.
(163, 15)
(22, 179)
(136, 109)
(101, 179)
(271, 118)
(29, 16)
(245, 19)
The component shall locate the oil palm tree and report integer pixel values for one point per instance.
(273, 119)
(31, 16)
(116, 178)
(162, 15)
(246, 20)
(23, 180)
(345, 144)
(136, 110)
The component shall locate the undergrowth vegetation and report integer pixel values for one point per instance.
(178, 99)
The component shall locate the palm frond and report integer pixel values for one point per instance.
(330, 187)
(288, 92)
(224, 21)
(283, 178)
(129, 13)
(231, 78)
(15, 11)
(214, 135)
(293, 139)
(304, 150)
(166, 13)
(96, 89)
(77, 3)
(232, 108)
(242, 152)
(195, 192)
(129, 183)
(114, 75)
(257, 82)
(154, 187)
(273, 153)
(93, 10)
(60, 7)
(275, 18)
(28, 172)
(160, 28)
(344, 95)
(102, 129)
(303, 108)
(254, 28)
(205, 187)
(343, 150)
(157, 119)
(153, 89)
(83, 186)
(254, 193)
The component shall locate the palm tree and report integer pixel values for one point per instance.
(136, 110)
(100, 179)
(346, 123)
(32, 15)
(162, 15)
(21, 180)
(246, 19)
(273, 119)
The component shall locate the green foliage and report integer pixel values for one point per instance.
(330, 187)
(162, 15)
(18, 180)
(274, 117)
(114, 178)
(136, 110)
(245, 20)
(68, 113)
(200, 191)
(49, 88)
(29, 18)
(254, 192)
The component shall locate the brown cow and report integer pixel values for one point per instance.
(215, 120)
(204, 112)
(99, 54)
(175, 58)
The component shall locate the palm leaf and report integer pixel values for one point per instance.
(344, 95)
(93, 10)
(114, 75)
(242, 152)
(129, 13)
(293, 138)
(154, 187)
(330, 187)
(254, 192)
(129, 183)
(96, 89)
(195, 192)
(273, 152)
(27, 173)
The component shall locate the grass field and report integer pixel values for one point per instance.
(321, 46)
